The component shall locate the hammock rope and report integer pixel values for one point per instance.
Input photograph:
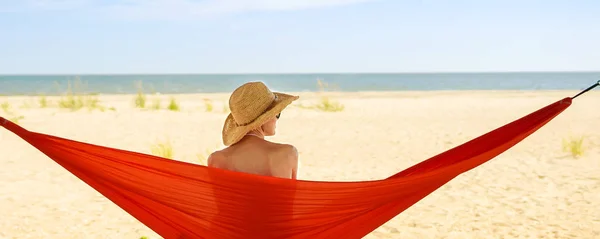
(182, 200)
(586, 90)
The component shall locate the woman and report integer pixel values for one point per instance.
(254, 114)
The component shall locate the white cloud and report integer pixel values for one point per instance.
(170, 9)
(41, 5)
(185, 9)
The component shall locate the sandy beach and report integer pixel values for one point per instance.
(534, 190)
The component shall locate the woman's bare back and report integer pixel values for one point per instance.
(255, 155)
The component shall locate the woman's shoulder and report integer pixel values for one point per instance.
(215, 159)
(285, 148)
(284, 161)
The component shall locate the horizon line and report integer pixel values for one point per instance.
(301, 73)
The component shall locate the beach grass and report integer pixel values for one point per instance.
(10, 114)
(27, 104)
(208, 105)
(173, 105)
(140, 101)
(574, 146)
(140, 98)
(16, 118)
(155, 104)
(143, 101)
(43, 102)
(226, 109)
(325, 103)
(5, 107)
(75, 99)
(163, 149)
(328, 105)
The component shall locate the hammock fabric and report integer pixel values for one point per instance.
(183, 200)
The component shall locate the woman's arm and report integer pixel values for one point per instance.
(286, 164)
(296, 166)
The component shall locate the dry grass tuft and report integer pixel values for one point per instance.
(173, 105)
(574, 146)
(325, 103)
(208, 105)
(140, 99)
(163, 149)
(10, 114)
(74, 99)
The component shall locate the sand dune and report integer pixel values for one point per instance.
(534, 190)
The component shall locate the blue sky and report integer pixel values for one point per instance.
(297, 36)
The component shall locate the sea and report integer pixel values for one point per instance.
(345, 82)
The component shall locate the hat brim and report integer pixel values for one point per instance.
(232, 133)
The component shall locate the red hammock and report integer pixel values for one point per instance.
(183, 200)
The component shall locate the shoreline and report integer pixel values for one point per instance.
(391, 92)
(303, 73)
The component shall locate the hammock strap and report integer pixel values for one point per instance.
(586, 90)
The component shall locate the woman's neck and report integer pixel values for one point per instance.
(259, 135)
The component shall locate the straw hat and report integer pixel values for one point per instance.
(251, 105)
